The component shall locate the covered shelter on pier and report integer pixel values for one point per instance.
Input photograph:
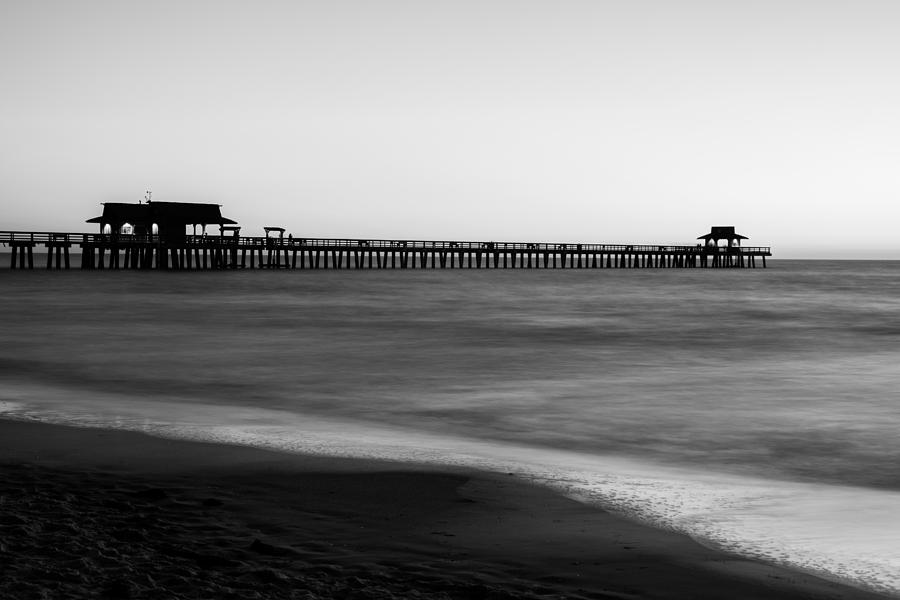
(167, 221)
(720, 233)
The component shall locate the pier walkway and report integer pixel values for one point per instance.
(205, 252)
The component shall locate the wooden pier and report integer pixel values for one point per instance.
(216, 252)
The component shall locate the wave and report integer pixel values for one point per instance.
(842, 533)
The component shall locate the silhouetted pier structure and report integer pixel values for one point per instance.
(204, 252)
(154, 235)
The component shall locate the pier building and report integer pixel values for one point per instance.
(167, 221)
(726, 234)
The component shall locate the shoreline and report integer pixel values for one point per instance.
(121, 514)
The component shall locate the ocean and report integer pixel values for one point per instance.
(757, 410)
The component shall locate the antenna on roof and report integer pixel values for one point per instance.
(147, 197)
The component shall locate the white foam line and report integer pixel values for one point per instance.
(10, 407)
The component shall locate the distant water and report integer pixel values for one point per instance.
(757, 410)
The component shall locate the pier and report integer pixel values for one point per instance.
(154, 235)
(216, 252)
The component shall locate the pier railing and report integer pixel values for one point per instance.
(54, 238)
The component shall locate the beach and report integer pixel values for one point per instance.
(449, 300)
(91, 512)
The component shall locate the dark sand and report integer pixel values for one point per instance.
(88, 513)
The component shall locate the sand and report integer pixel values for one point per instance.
(89, 513)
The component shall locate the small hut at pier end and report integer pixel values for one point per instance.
(726, 234)
(166, 221)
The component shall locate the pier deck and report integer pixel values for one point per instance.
(196, 252)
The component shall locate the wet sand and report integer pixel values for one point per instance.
(89, 513)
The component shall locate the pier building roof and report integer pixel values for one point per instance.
(188, 213)
(723, 233)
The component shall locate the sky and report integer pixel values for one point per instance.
(640, 121)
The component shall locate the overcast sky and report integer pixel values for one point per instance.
(595, 121)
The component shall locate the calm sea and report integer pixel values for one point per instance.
(756, 410)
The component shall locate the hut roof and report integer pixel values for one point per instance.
(722, 233)
(153, 212)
